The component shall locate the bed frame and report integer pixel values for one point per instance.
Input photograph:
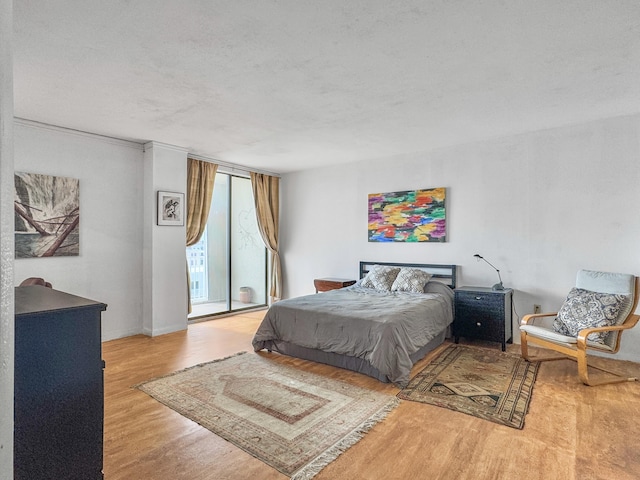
(443, 273)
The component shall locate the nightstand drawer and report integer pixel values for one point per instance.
(478, 326)
(474, 300)
(326, 284)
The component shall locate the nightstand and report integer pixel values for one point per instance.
(326, 284)
(484, 314)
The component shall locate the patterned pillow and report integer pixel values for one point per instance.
(584, 309)
(410, 280)
(380, 277)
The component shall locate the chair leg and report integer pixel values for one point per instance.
(583, 373)
(524, 348)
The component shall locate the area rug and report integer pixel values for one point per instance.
(295, 421)
(482, 382)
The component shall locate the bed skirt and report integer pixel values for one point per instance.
(347, 362)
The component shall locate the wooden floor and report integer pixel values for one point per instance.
(571, 432)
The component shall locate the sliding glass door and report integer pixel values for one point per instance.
(228, 266)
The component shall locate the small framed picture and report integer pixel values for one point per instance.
(170, 208)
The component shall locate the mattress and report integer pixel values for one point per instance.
(379, 333)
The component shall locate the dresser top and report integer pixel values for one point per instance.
(38, 299)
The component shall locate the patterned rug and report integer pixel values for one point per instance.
(295, 421)
(482, 382)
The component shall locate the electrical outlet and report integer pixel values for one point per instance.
(536, 308)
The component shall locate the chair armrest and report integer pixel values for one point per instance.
(630, 322)
(532, 316)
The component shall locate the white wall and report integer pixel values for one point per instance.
(109, 267)
(539, 206)
(164, 257)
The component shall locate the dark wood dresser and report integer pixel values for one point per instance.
(59, 389)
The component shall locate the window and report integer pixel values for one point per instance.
(228, 266)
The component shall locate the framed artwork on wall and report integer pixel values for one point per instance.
(170, 208)
(408, 216)
(47, 215)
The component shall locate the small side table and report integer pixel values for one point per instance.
(484, 314)
(326, 284)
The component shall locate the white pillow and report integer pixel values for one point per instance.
(380, 277)
(410, 280)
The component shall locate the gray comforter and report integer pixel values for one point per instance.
(384, 328)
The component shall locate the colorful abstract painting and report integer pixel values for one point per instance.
(411, 216)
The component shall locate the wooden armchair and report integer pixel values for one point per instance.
(575, 347)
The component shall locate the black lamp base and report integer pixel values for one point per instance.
(498, 287)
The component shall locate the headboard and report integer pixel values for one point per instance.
(443, 273)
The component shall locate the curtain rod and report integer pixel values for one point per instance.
(231, 166)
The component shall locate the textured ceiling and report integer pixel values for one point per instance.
(285, 85)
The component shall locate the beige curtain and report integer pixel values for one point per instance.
(266, 196)
(200, 178)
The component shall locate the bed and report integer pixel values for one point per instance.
(380, 326)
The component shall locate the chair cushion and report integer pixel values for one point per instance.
(584, 309)
(547, 334)
(621, 283)
(606, 282)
